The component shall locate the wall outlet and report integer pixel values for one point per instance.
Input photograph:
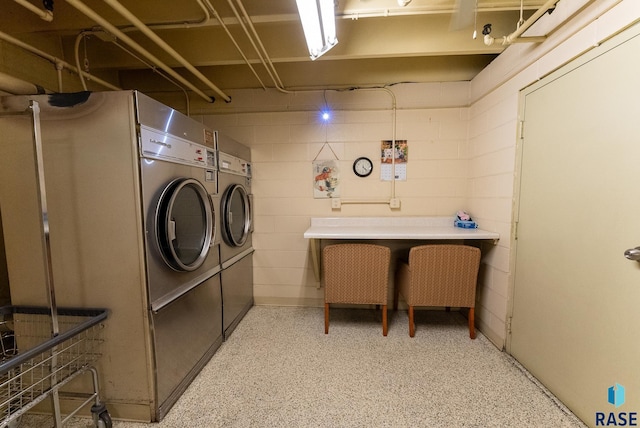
(335, 203)
(394, 203)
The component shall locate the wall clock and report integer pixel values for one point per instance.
(362, 167)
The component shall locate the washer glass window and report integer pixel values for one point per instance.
(184, 224)
(236, 215)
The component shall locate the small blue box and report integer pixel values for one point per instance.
(465, 224)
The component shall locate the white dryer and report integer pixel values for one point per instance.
(236, 224)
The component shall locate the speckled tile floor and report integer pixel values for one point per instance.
(279, 369)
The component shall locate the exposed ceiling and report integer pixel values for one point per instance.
(380, 42)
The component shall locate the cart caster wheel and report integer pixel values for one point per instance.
(104, 420)
(101, 416)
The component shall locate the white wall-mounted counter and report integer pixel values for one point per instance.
(387, 228)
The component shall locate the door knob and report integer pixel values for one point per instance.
(633, 253)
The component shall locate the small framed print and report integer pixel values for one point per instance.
(326, 179)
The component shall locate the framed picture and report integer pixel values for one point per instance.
(326, 179)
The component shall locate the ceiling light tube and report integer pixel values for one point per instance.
(319, 25)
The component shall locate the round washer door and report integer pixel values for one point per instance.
(236, 215)
(184, 224)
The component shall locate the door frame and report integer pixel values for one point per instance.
(611, 43)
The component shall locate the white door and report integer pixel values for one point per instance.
(576, 301)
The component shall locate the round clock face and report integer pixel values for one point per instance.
(362, 167)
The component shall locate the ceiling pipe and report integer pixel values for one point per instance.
(233, 40)
(47, 15)
(168, 49)
(135, 46)
(161, 74)
(266, 60)
(56, 61)
(515, 36)
(207, 21)
(133, 54)
(251, 40)
(15, 86)
(355, 13)
(76, 48)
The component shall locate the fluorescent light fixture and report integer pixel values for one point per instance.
(319, 24)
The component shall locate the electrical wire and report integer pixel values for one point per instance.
(158, 72)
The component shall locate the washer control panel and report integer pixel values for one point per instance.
(159, 145)
(233, 165)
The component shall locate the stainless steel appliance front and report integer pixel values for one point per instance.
(133, 199)
(236, 210)
(179, 190)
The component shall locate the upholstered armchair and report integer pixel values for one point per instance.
(438, 276)
(356, 274)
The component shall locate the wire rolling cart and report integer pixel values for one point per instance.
(48, 363)
(44, 348)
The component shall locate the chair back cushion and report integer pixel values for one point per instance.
(443, 275)
(356, 273)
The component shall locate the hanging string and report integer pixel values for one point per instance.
(322, 148)
(326, 143)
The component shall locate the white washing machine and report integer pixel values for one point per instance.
(132, 197)
(236, 224)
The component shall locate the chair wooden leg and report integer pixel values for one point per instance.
(412, 325)
(472, 327)
(326, 318)
(384, 320)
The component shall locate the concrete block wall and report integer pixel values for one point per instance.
(432, 117)
(462, 144)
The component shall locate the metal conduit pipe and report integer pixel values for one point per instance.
(161, 43)
(389, 201)
(515, 36)
(208, 10)
(161, 74)
(233, 40)
(120, 35)
(532, 19)
(59, 68)
(133, 54)
(253, 43)
(15, 86)
(76, 48)
(47, 15)
(58, 62)
(268, 64)
(206, 21)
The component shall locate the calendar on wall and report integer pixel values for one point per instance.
(394, 159)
